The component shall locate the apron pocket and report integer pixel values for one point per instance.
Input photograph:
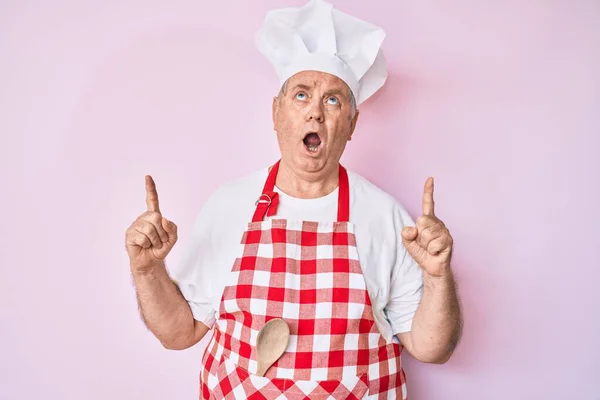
(237, 383)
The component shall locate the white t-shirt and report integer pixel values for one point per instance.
(393, 279)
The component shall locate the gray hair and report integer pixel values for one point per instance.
(283, 91)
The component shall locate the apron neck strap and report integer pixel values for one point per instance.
(268, 201)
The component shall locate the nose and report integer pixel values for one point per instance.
(315, 111)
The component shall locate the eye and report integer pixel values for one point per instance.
(333, 101)
(301, 95)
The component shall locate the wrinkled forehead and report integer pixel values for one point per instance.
(318, 80)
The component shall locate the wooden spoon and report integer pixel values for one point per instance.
(271, 342)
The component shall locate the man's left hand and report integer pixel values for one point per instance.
(429, 243)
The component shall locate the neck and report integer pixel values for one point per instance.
(307, 185)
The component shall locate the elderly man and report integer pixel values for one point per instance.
(334, 259)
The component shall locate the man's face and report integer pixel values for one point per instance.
(314, 119)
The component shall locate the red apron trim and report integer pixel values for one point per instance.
(344, 197)
(268, 201)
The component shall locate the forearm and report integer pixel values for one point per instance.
(437, 324)
(163, 308)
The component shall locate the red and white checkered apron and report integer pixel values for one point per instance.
(307, 273)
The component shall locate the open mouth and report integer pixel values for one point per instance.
(312, 141)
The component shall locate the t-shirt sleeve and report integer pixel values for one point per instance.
(193, 274)
(406, 287)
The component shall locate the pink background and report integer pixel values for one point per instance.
(498, 100)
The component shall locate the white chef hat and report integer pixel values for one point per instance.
(321, 38)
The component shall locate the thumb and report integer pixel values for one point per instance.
(170, 228)
(409, 234)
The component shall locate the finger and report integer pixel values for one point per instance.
(430, 233)
(171, 229)
(137, 238)
(426, 221)
(409, 234)
(156, 219)
(438, 245)
(428, 205)
(149, 230)
(151, 195)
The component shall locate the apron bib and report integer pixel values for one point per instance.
(307, 273)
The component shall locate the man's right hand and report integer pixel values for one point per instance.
(151, 236)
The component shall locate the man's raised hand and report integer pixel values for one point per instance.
(151, 236)
(430, 242)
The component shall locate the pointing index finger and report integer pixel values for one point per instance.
(428, 204)
(151, 195)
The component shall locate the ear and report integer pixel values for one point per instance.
(275, 107)
(353, 124)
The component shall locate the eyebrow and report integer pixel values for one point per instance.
(301, 86)
(327, 93)
(336, 91)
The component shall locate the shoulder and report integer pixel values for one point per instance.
(379, 204)
(365, 190)
(250, 182)
(239, 190)
(232, 200)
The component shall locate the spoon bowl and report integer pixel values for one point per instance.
(271, 342)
